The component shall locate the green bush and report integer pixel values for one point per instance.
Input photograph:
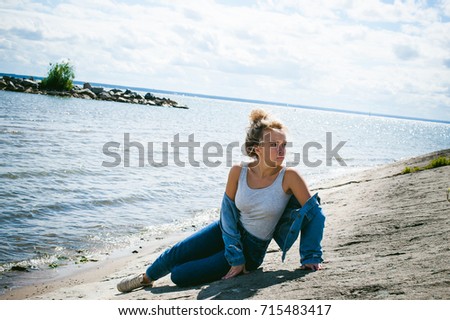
(60, 77)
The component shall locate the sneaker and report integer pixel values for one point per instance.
(132, 282)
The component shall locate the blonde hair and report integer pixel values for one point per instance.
(260, 120)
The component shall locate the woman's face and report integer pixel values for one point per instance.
(272, 149)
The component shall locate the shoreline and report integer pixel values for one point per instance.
(385, 238)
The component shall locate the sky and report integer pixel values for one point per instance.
(390, 57)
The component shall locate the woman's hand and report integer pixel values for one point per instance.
(234, 271)
(312, 266)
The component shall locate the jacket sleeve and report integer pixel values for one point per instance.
(229, 218)
(309, 221)
(283, 232)
(311, 236)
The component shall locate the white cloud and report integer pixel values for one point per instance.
(360, 55)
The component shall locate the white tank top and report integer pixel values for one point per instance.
(261, 208)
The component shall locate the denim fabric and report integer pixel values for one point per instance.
(208, 254)
(254, 249)
(308, 219)
(309, 222)
(200, 258)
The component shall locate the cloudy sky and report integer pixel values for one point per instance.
(379, 56)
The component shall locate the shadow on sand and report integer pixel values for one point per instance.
(239, 288)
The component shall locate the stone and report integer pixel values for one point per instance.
(122, 99)
(104, 96)
(30, 83)
(97, 90)
(87, 85)
(180, 106)
(87, 92)
(149, 96)
(10, 86)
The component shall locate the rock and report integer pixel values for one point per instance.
(149, 96)
(104, 96)
(20, 88)
(180, 106)
(58, 93)
(27, 83)
(87, 85)
(10, 86)
(87, 92)
(3, 84)
(97, 90)
(122, 99)
(19, 268)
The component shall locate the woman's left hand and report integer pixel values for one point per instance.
(312, 266)
(234, 271)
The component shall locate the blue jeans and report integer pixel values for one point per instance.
(200, 258)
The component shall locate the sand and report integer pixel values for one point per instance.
(386, 237)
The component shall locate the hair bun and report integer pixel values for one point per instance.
(257, 115)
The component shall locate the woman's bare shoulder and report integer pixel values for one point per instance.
(293, 177)
(293, 173)
(233, 179)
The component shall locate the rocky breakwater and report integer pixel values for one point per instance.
(87, 92)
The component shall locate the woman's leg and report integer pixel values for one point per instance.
(202, 244)
(201, 271)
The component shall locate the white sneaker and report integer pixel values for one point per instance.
(132, 282)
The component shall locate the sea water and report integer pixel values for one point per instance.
(80, 177)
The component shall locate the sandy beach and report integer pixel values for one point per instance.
(386, 237)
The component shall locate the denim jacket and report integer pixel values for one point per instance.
(308, 219)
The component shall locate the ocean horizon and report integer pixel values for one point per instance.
(254, 101)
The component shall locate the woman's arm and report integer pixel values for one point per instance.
(296, 185)
(230, 190)
(232, 182)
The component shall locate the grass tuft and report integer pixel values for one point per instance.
(435, 163)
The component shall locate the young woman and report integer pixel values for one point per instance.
(263, 200)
